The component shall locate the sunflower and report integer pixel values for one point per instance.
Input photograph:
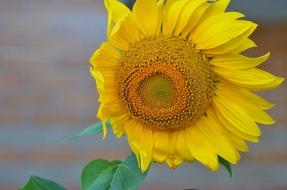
(173, 79)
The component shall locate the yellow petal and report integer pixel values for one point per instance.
(181, 146)
(253, 79)
(110, 98)
(227, 91)
(234, 129)
(217, 137)
(161, 6)
(238, 142)
(220, 19)
(117, 38)
(124, 33)
(200, 149)
(146, 146)
(237, 139)
(161, 146)
(116, 10)
(236, 115)
(118, 124)
(172, 16)
(172, 143)
(105, 58)
(147, 14)
(133, 131)
(215, 8)
(255, 99)
(232, 45)
(237, 61)
(173, 161)
(221, 33)
(98, 76)
(187, 11)
(103, 117)
(169, 2)
(243, 46)
(195, 19)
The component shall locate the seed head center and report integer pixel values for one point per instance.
(157, 90)
(165, 83)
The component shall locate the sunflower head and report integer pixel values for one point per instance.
(173, 79)
(164, 82)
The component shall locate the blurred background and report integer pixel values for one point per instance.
(47, 94)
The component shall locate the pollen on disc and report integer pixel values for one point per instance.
(158, 90)
(165, 83)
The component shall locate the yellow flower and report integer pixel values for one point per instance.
(172, 79)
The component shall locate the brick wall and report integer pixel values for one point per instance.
(47, 93)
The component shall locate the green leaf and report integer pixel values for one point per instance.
(37, 183)
(98, 174)
(112, 175)
(226, 164)
(128, 176)
(95, 128)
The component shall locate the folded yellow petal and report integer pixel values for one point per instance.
(104, 118)
(116, 10)
(147, 14)
(172, 17)
(194, 19)
(186, 13)
(124, 33)
(253, 79)
(237, 61)
(117, 39)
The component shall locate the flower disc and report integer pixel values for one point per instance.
(165, 83)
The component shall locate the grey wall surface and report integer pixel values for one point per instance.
(264, 11)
